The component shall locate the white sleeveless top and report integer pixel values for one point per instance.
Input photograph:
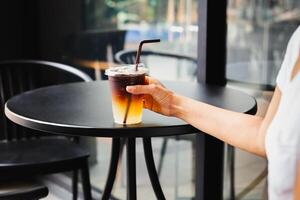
(283, 134)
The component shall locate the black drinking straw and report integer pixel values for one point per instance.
(137, 61)
(138, 53)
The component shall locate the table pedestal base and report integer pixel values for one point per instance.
(131, 168)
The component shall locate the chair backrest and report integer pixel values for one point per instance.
(182, 61)
(18, 76)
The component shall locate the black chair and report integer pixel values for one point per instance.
(26, 152)
(189, 63)
(22, 190)
(128, 57)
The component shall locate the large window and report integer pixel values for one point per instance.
(172, 21)
(258, 33)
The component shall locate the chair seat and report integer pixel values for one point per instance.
(37, 152)
(20, 190)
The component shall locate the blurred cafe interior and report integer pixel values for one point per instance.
(229, 44)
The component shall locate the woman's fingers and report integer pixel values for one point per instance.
(150, 80)
(148, 102)
(156, 96)
(141, 89)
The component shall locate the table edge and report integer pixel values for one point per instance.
(74, 130)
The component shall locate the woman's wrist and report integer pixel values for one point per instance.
(177, 106)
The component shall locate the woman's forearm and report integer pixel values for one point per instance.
(241, 130)
(237, 129)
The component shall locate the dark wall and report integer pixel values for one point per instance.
(34, 29)
(10, 34)
(58, 19)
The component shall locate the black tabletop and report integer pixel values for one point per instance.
(84, 109)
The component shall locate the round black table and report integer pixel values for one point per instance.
(84, 109)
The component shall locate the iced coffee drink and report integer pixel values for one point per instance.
(127, 108)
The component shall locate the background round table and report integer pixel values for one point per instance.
(84, 109)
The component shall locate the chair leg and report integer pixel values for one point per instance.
(86, 184)
(75, 184)
(162, 155)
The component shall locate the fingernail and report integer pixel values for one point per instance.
(128, 88)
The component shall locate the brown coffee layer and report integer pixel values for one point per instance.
(120, 98)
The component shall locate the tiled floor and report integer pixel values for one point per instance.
(247, 168)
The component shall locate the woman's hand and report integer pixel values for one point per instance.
(156, 97)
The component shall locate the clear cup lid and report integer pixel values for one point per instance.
(127, 70)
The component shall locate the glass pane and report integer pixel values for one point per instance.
(172, 21)
(258, 33)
